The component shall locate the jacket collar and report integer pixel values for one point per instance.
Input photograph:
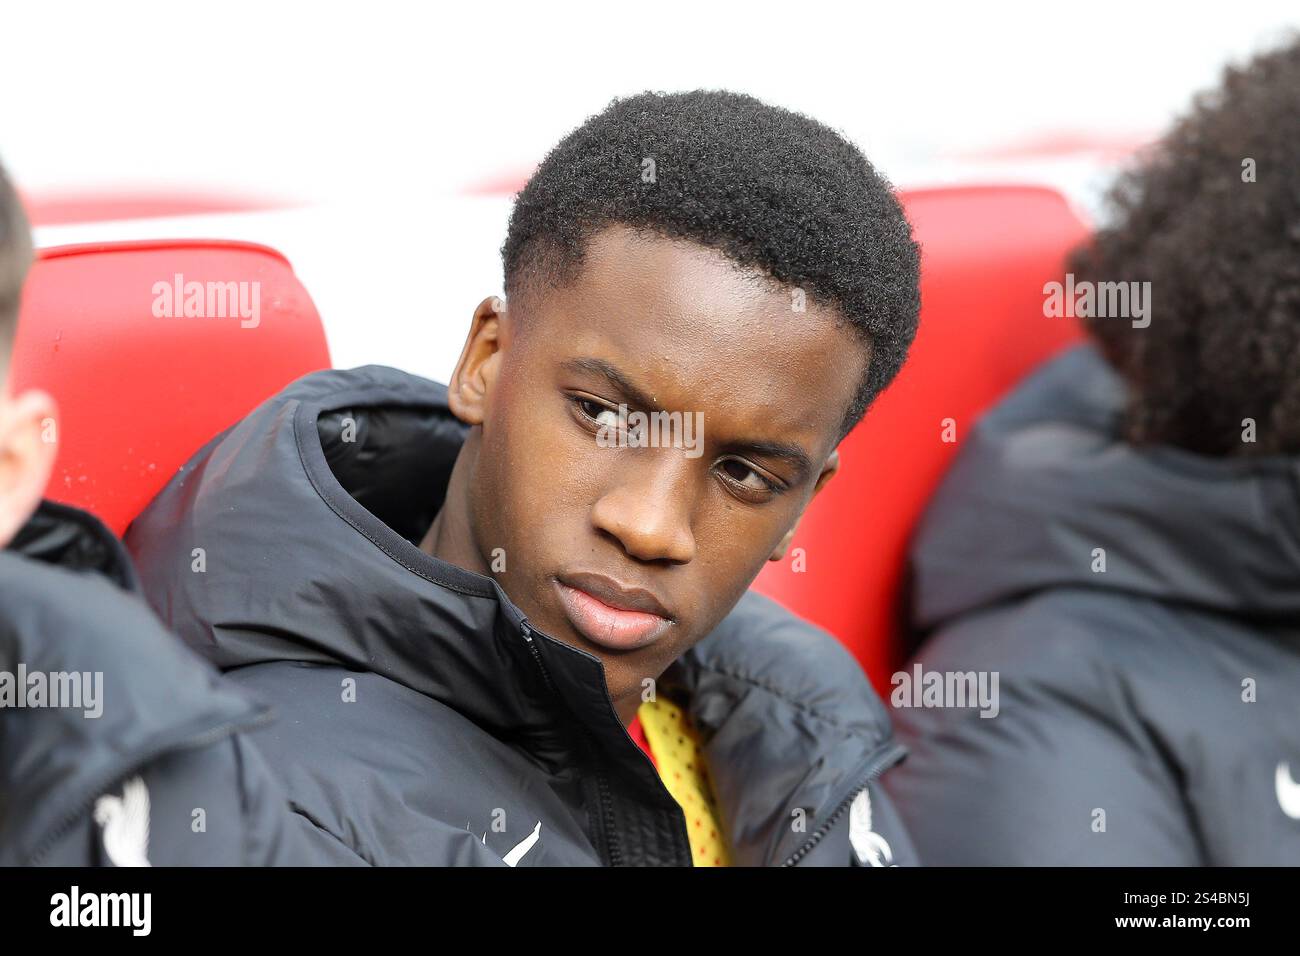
(304, 520)
(75, 540)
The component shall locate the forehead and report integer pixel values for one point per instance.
(702, 333)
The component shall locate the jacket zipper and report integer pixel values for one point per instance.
(101, 783)
(874, 768)
(608, 829)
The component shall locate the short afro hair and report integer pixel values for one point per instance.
(1210, 216)
(767, 187)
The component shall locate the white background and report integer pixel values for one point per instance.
(380, 116)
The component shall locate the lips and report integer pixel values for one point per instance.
(612, 615)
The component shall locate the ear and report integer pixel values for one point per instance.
(480, 360)
(828, 472)
(28, 447)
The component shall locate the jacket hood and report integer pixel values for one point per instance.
(293, 537)
(68, 608)
(1045, 479)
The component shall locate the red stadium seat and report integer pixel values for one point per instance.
(140, 392)
(986, 253)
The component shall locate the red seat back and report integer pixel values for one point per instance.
(986, 253)
(139, 393)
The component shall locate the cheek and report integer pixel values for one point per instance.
(734, 544)
(546, 472)
(739, 537)
(729, 557)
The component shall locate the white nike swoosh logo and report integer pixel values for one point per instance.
(523, 846)
(1288, 791)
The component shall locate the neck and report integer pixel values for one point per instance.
(451, 538)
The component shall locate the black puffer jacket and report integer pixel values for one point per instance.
(1142, 610)
(144, 759)
(423, 720)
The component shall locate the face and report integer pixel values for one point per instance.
(631, 536)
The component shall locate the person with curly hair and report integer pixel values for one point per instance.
(507, 620)
(1119, 541)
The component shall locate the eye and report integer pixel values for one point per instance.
(746, 477)
(597, 412)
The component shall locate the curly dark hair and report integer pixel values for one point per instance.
(1222, 254)
(15, 258)
(767, 187)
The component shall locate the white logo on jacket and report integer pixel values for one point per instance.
(125, 823)
(1288, 791)
(523, 846)
(869, 847)
(520, 849)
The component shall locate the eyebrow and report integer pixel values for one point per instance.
(615, 378)
(788, 452)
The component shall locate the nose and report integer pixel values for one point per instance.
(648, 511)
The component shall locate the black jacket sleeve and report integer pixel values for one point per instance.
(118, 745)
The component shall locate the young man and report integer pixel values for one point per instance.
(1120, 540)
(461, 598)
(118, 745)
